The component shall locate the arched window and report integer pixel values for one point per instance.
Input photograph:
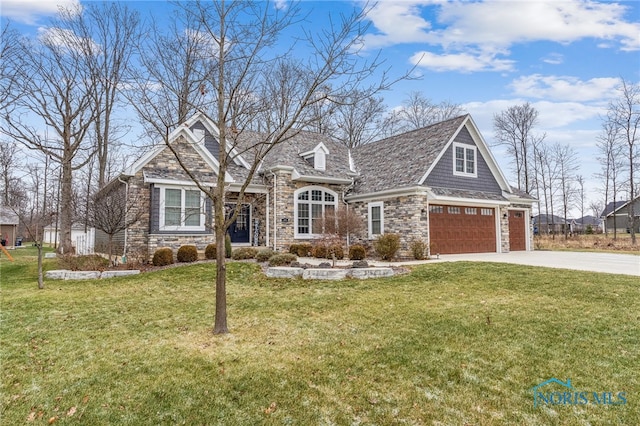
(312, 205)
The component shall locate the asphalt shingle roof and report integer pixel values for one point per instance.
(401, 161)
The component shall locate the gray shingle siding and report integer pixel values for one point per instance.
(442, 174)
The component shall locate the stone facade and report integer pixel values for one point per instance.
(142, 243)
(285, 187)
(406, 215)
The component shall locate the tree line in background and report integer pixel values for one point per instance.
(550, 171)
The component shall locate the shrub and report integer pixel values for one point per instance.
(227, 246)
(244, 253)
(319, 251)
(264, 254)
(210, 251)
(589, 230)
(387, 245)
(187, 254)
(419, 249)
(91, 262)
(302, 249)
(163, 257)
(335, 249)
(357, 252)
(284, 259)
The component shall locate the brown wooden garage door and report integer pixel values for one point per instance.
(460, 229)
(517, 240)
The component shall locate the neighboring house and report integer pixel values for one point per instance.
(616, 215)
(582, 225)
(550, 224)
(8, 226)
(82, 237)
(439, 184)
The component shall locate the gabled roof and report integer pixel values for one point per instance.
(406, 160)
(8, 217)
(614, 206)
(184, 131)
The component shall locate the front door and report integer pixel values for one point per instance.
(240, 230)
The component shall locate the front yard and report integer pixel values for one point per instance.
(448, 343)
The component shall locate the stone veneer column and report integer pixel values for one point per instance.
(504, 229)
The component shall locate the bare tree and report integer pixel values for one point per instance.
(9, 42)
(9, 182)
(54, 85)
(566, 160)
(514, 129)
(113, 28)
(169, 86)
(418, 111)
(624, 114)
(581, 197)
(357, 119)
(611, 159)
(239, 87)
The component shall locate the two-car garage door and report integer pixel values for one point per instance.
(462, 229)
(466, 229)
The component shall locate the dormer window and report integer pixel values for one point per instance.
(317, 157)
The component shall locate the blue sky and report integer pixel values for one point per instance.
(565, 57)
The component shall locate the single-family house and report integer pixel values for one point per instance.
(616, 215)
(8, 226)
(440, 185)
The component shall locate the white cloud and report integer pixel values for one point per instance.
(551, 115)
(491, 27)
(565, 88)
(462, 62)
(397, 22)
(553, 59)
(503, 23)
(28, 11)
(63, 39)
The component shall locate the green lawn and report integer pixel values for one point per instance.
(449, 344)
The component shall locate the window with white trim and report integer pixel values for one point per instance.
(375, 218)
(181, 209)
(312, 204)
(464, 160)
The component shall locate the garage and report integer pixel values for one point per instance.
(462, 229)
(517, 234)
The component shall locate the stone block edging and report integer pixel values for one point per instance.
(65, 274)
(328, 274)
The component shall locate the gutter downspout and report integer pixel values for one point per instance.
(126, 229)
(275, 222)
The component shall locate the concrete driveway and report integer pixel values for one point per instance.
(611, 263)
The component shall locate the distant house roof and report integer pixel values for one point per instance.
(550, 218)
(8, 217)
(588, 220)
(612, 206)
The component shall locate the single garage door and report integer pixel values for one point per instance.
(517, 235)
(460, 229)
